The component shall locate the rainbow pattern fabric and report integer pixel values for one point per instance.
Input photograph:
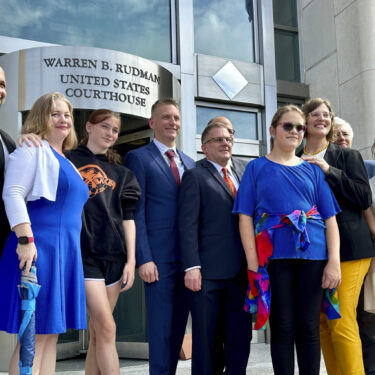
(258, 296)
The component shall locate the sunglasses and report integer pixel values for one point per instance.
(288, 126)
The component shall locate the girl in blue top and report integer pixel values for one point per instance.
(286, 201)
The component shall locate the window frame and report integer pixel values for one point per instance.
(241, 146)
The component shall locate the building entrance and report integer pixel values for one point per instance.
(130, 312)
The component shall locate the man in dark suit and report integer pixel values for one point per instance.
(159, 166)
(237, 163)
(6, 147)
(214, 260)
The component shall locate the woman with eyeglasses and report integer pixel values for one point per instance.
(346, 175)
(287, 224)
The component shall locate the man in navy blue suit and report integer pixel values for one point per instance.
(237, 163)
(159, 167)
(214, 260)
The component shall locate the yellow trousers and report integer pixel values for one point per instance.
(341, 344)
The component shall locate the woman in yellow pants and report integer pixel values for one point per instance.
(346, 175)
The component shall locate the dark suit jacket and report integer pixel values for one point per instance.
(4, 225)
(349, 182)
(209, 233)
(156, 213)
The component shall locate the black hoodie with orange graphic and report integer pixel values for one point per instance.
(114, 192)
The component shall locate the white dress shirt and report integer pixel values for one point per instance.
(231, 175)
(163, 148)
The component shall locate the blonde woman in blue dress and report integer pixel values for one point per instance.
(44, 197)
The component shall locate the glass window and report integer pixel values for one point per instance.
(286, 40)
(244, 123)
(287, 56)
(285, 12)
(139, 27)
(224, 28)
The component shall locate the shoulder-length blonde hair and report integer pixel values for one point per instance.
(39, 120)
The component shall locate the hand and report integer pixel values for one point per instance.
(26, 255)
(128, 275)
(320, 162)
(29, 139)
(331, 275)
(193, 279)
(148, 272)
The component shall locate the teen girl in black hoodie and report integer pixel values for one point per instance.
(108, 234)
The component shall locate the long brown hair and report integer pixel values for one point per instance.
(97, 116)
(39, 119)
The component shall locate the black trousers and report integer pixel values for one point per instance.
(366, 324)
(221, 328)
(295, 308)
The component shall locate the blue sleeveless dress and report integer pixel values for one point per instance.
(56, 226)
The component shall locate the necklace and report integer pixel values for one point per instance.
(316, 152)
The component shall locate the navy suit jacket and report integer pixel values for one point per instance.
(156, 212)
(4, 225)
(209, 232)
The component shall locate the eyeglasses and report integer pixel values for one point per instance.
(325, 115)
(288, 126)
(231, 131)
(220, 140)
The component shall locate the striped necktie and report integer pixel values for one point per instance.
(229, 182)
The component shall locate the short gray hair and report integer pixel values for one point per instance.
(340, 122)
(209, 127)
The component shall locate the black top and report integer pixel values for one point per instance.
(4, 225)
(348, 180)
(114, 192)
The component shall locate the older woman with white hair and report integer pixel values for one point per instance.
(342, 133)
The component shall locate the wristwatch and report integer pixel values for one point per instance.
(24, 240)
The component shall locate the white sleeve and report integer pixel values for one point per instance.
(19, 179)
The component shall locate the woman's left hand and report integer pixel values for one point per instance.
(128, 276)
(331, 275)
(320, 162)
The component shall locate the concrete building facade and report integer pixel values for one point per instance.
(338, 49)
(239, 58)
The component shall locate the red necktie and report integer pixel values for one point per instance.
(172, 163)
(229, 182)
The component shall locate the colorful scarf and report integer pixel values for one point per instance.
(258, 296)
